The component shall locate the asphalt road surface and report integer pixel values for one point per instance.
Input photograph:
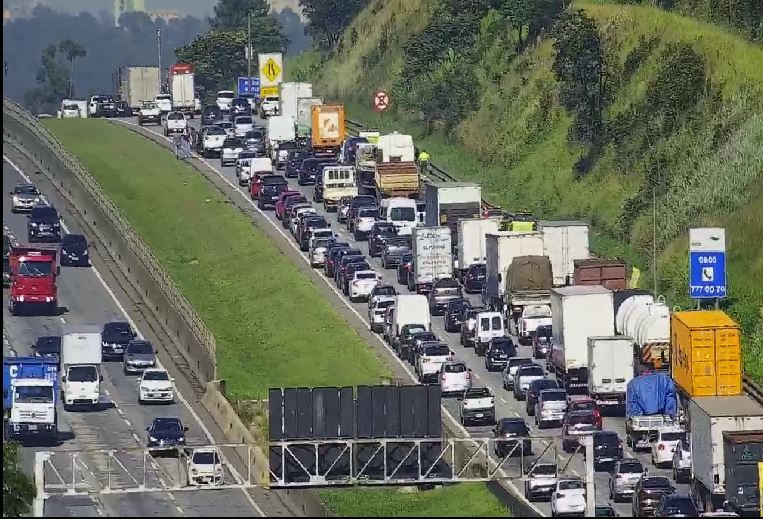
(506, 405)
(85, 298)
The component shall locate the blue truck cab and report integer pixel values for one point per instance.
(30, 396)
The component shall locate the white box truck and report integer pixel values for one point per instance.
(138, 84)
(181, 83)
(290, 95)
(563, 243)
(410, 309)
(81, 359)
(577, 313)
(610, 368)
(709, 417)
(432, 257)
(450, 202)
(304, 116)
(500, 249)
(471, 243)
(396, 147)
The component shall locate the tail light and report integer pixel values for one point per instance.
(619, 476)
(468, 375)
(660, 447)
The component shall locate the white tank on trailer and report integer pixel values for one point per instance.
(648, 322)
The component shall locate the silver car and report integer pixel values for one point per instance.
(318, 251)
(455, 378)
(23, 197)
(230, 151)
(623, 478)
(139, 355)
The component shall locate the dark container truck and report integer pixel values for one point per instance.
(450, 202)
(743, 455)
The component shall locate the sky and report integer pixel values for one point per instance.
(197, 8)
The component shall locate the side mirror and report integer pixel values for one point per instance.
(58, 270)
(100, 379)
(172, 379)
(147, 428)
(63, 379)
(185, 428)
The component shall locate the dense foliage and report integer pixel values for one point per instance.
(18, 488)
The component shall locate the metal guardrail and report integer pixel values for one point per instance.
(434, 170)
(135, 243)
(753, 389)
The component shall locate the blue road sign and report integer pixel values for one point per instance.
(249, 85)
(707, 274)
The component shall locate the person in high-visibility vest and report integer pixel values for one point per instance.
(424, 159)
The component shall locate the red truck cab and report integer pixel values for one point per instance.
(33, 278)
(281, 204)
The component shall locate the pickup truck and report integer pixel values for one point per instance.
(641, 431)
(149, 113)
(431, 359)
(176, 123)
(477, 405)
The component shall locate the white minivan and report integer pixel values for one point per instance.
(224, 99)
(401, 212)
(488, 326)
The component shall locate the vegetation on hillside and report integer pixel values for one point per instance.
(616, 114)
(18, 487)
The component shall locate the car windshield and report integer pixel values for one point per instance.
(254, 134)
(680, 505)
(554, 396)
(271, 99)
(44, 214)
(544, 470)
(478, 392)
(368, 212)
(224, 124)
(223, 94)
(437, 350)
(164, 424)
(74, 239)
(205, 458)
(514, 426)
(322, 242)
(116, 329)
(580, 419)
(82, 374)
(631, 467)
(673, 436)
(34, 394)
(164, 97)
(571, 484)
(504, 347)
(48, 344)
(232, 143)
(35, 269)
(539, 385)
(543, 331)
(531, 371)
(175, 116)
(139, 347)
(156, 375)
(287, 145)
(585, 405)
(385, 290)
(25, 190)
(386, 304)
(454, 368)
(402, 214)
(365, 275)
(243, 120)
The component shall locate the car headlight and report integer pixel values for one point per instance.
(15, 199)
(33, 224)
(84, 253)
(152, 439)
(181, 439)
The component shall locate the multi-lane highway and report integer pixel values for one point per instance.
(86, 298)
(506, 405)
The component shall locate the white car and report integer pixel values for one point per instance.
(511, 369)
(156, 385)
(224, 99)
(317, 252)
(212, 140)
(205, 467)
(682, 461)
(625, 474)
(364, 222)
(296, 217)
(24, 197)
(243, 170)
(455, 378)
(376, 309)
(269, 106)
(242, 124)
(362, 283)
(230, 151)
(164, 102)
(70, 111)
(666, 442)
(541, 481)
(175, 123)
(524, 376)
(228, 126)
(568, 498)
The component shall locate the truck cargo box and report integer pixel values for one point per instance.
(743, 455)
(290, 95)
(563, 243)
(449, 202)
(529, 273)
(648, 322)
(653, 394)
(706, 356)
(501, 248)
(608, 273)
(472, 242)
(432, 257)
(610, 369)
(328, 128)
(397, 179)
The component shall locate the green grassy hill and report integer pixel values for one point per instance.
(683, 131)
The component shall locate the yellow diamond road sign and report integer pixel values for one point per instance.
(271, 70)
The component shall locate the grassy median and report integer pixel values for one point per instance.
(273, 328)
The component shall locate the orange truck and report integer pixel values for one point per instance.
(33, 273)
(328, 131)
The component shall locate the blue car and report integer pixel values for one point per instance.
(166, 432)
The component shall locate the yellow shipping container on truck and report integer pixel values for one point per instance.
(706, 353)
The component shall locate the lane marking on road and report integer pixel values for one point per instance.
(179, 395)
(62, 319)
(180, 510)
(336, 291)
(136, 437)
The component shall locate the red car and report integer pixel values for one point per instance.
(586, 404)
(255, 183)
(281, 203)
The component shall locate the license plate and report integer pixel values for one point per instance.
(32, 427)
(479, 415)
(503, 356)
(71, 256)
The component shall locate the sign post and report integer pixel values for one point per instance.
(707, 263)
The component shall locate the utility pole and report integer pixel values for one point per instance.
(159, 51)
(590, 488)
(248, 45)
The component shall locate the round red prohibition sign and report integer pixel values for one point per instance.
(381, 100)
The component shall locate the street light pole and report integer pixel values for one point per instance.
(159, 51)
(248, 45)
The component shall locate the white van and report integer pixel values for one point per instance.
(224, 99)
(256, 165)
(488, 326)
(401, 212)
(411, 309)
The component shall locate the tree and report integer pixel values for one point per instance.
(52, 81)
(218, 56)
(519, 14)
(71, 50)
(18, 488)
(232, 14)
(327, 19)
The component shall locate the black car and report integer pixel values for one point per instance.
(393, 251)
(211, 115)
(106, 107)
(378, 236)
(122, 109)
(239, 106)
(404, 343)
(531, 395)
(308, 170)
(498, 352)
(294, 162)
(607, 448)
(269, 193)
(648, 493)
(474, 278)
(676, 505)
(318, 190)
(512, 438)
(541, 341)
(114, 338)
(47, 345)
(333, 255)
(74, 250)
(44, 224)
(453, 313)
(406, 263)
(254, 140)
(418, 338)
(166, 432)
